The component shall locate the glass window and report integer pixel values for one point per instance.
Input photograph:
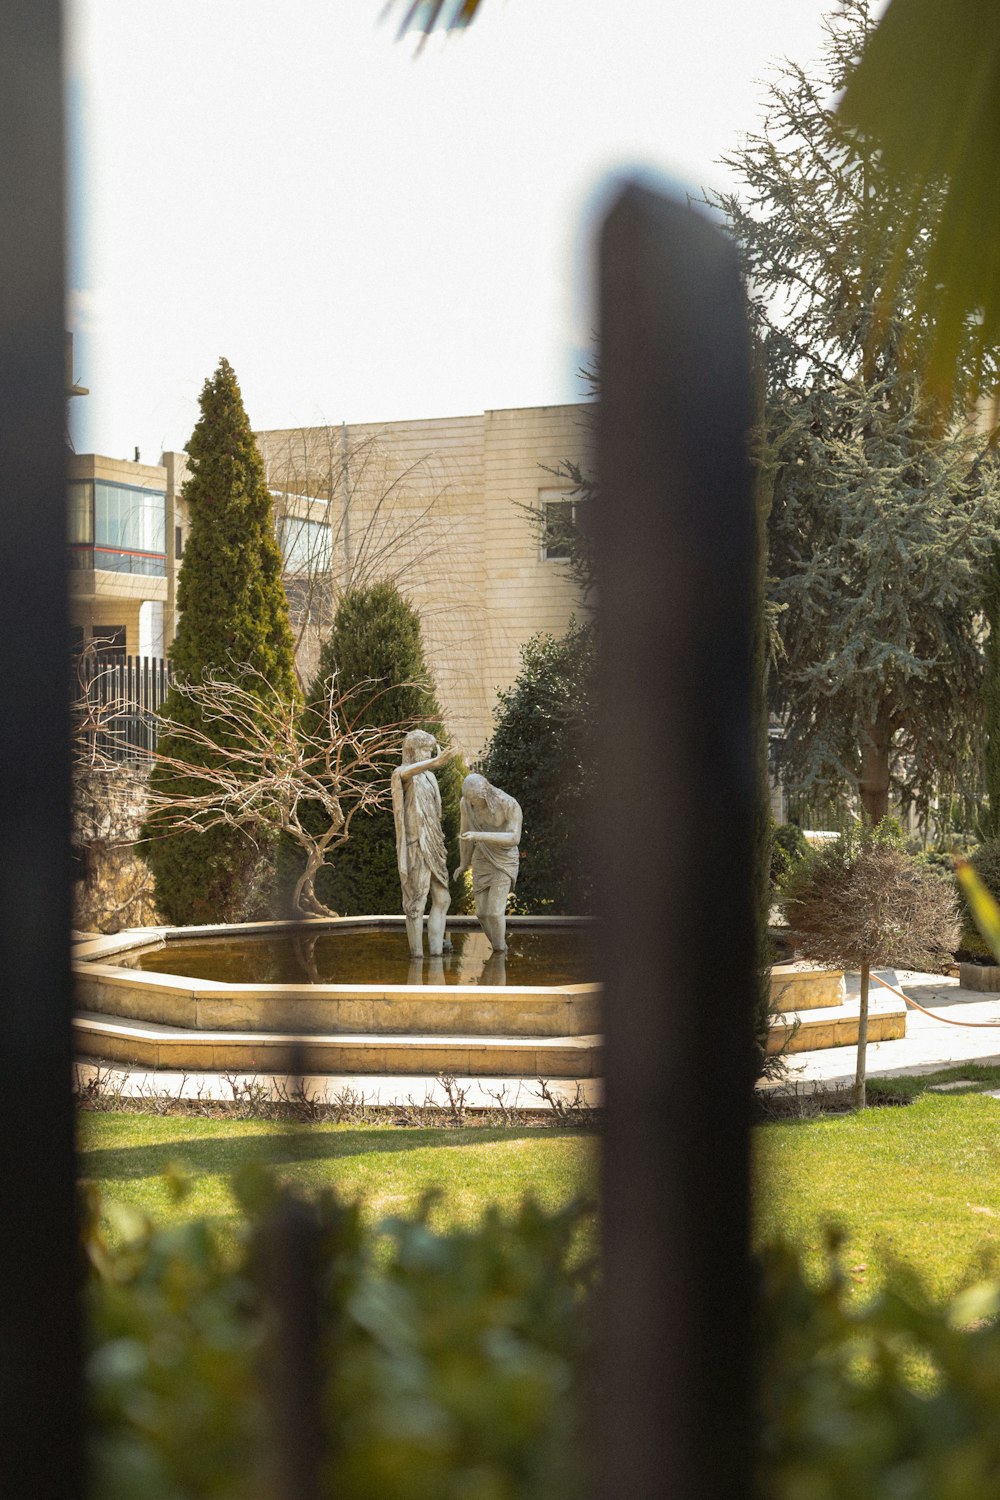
(558, 523)
(306, 546)
(80, 512)
(127, 519)
(129, 529)
(110, 638)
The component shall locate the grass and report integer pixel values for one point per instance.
(132, 1159)
(918, 1184)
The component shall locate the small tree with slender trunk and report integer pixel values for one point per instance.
(862, 902)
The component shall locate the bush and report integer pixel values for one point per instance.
(789, 845)
(376, 637)
(894, 1397)
(541, 754)
(455, 1365)
(986, 862)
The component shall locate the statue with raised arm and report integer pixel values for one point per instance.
(420, 852)
(490, 833)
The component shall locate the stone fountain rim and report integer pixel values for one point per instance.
(96, 956)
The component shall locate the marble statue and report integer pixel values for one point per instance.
(490, 833)
(420, 853)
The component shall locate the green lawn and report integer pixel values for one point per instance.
(127, 1155)
(918, 1184)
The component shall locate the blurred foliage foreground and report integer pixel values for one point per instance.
(452, 1366)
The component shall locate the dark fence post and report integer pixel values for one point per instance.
(40, 1430)
(675, 540)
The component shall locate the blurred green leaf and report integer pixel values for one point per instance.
(928, 90)
(982, 905)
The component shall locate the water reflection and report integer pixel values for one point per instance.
(494, 970)
(535, 956)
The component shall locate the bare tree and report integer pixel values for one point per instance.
(268, 758)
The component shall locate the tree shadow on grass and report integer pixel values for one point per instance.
(222, 1155)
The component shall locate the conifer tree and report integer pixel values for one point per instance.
(376, 639)
(233, 614)
(885, 500)
(541, 753)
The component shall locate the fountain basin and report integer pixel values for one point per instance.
(163, 1019)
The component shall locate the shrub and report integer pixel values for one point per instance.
(540, 753)
(455, 1365)
(986, 862)
(896, 1396)
(788, 846)
(451, 1365)
(376, 637)
(862, 901)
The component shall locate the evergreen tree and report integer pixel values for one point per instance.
(542, 754)
(885, 500)
(376, 638)
(233, 613)
(989, 816)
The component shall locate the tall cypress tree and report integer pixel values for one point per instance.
(376, 638)
(233, 613)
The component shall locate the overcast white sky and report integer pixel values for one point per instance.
(365, 234)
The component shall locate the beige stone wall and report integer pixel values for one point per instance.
(434, 504)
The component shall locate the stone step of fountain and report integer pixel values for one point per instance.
(119, 1039)
(365, 1010)
(803, 986)
(837, 1025)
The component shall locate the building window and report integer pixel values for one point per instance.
(80, 519)
(117, 528)
(178, 541)
(306, 546)
(559, 518)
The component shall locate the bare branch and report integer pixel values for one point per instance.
(253, 760)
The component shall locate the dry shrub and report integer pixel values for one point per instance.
(862, 901)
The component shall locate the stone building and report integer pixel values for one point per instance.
(442, 506)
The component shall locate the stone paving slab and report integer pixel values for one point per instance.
(929, 1045)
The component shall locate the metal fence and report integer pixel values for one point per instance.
(114, 701)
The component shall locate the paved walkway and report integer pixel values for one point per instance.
(929, 1045)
